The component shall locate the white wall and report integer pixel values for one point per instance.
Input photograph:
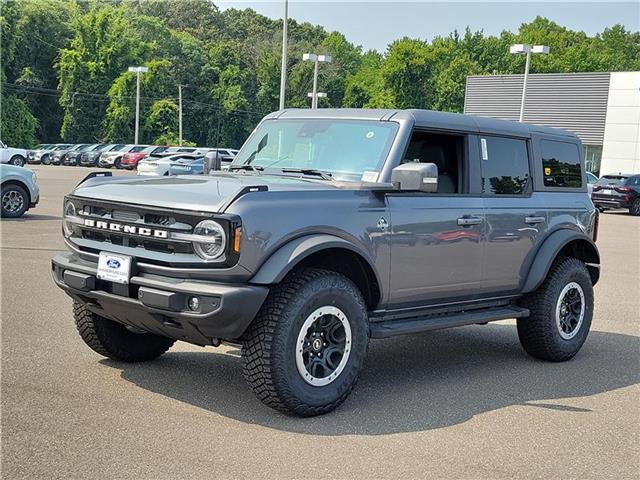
(621, 148)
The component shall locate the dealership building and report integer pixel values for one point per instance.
(603, 109)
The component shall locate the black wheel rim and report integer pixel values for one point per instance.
(570, 310)
(323, 346)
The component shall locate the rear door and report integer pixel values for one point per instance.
(515, 215)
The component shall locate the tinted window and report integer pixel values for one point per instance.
(612, 180)
(505, 165)
(634, 181)
(561, 164)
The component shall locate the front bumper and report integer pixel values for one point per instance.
(159, 304)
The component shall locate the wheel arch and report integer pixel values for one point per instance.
(328, 252)
(566, 243)
(24, 186)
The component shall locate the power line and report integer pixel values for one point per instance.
(104, 97)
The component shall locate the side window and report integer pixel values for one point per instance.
(446, 151)
(561, 164)
(505, 165)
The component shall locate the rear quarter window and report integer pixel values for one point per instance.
(561, 164)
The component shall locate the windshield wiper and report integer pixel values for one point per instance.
(309, 171)
(246, 166)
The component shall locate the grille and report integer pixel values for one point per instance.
(139, 218)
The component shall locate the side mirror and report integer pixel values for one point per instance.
(212, 162)
(416, 177)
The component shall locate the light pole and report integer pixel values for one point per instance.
(524, 49)
(138, 71)
(318, 95)
(180, 114)
(317, 59)
(283, 66)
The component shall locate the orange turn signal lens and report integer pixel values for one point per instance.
(237, 236)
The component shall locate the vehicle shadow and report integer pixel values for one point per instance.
(409, 384)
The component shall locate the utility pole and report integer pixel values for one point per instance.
(138, 71)
(283, 67)
(180, 115)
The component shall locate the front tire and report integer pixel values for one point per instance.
(561, 312)
(303, 352)
(15, 201)
(113, 340)
(635, 208)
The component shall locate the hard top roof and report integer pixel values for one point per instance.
(446, 120)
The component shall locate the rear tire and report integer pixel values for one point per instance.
(46, 160)
(303, 352)
(635, 208)
(17, 160)
(113, 340)
(561, 312)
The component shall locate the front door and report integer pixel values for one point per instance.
(436, 248)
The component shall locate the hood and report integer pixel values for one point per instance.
(209, 193)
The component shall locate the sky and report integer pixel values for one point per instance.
(375, 24)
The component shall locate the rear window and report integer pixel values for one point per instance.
(137, 149)
(561, 164)
(612, 180)
(505, 166)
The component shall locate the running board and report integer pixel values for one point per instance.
(391, 328)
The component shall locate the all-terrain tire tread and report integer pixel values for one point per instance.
(258, 369)
(534, 332)
(96, 333)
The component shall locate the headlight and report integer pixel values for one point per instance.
(213, 241)
(67, 225)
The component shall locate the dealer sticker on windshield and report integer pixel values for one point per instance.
(114, 268)
(369, 176)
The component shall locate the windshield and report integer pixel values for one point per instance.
(352, 150)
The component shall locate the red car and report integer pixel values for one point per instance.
(130, 160)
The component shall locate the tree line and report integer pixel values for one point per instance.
(64, 68)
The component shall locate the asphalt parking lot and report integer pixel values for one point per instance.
(461, 403)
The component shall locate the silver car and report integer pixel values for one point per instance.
(19, 191)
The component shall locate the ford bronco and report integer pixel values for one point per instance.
(333, 227)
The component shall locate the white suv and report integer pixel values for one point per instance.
(14, 156)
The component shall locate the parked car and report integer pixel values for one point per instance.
(45, 156)
(59, 154)
(19, 190)
(159, 164)
(188, 165)
(113, 157)
(591, 181)
(12, 156)
(72, 157)
(130, 160)
(299, 253)
(31, 153)
(617, 191)
(90, 158)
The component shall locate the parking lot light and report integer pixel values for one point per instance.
(317, 59)
(524, 49)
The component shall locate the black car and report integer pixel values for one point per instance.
(617, 191)
(72, 157)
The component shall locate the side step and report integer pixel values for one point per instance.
(391, 328)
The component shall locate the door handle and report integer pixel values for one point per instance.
(534, 220)
(469, 221)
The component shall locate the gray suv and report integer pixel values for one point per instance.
(333, 227)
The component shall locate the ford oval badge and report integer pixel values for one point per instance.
(113, 263)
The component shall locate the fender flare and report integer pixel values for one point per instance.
(550, 249)
(283, 260)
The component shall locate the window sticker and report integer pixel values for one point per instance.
(369, 176)
(483, 145)
(370, 134)
(547, 171)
